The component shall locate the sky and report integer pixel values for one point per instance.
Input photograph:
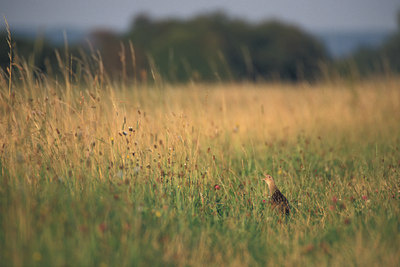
(340, 15)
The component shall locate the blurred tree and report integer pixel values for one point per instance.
(213, 46)
(109, 44)
(366, 61)
(35, 52)
(285, 51)
(391, 49)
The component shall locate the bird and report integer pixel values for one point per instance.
(278, 200)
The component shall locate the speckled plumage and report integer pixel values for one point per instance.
(279, 201)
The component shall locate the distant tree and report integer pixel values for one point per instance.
(35, 52)
(109, 45)
(391, 48)
(285, 51)
(4, 61)
(366, 61)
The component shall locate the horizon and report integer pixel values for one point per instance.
(339, 43)
(310, 15)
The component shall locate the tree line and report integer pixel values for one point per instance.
(211, 47)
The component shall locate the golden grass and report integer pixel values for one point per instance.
(67, 123)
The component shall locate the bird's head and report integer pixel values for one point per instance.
(269, 180)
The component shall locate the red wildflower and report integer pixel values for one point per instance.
(334, 199)
(264, 201)
(364, 197)
(83, 228)
(102, 227)
(217, 187)
(126, 226)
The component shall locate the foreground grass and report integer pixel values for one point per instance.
(79, 187)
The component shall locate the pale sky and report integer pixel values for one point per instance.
(118, 14)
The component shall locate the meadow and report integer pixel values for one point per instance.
(95, 172)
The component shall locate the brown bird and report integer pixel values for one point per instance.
(278, 200)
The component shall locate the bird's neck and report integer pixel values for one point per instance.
(272, 188)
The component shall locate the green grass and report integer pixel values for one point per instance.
(182, 221)
(76, 191)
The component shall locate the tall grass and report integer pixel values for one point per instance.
(95, 172)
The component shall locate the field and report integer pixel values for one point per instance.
(97, 173)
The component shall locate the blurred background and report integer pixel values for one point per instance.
(234, 40)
